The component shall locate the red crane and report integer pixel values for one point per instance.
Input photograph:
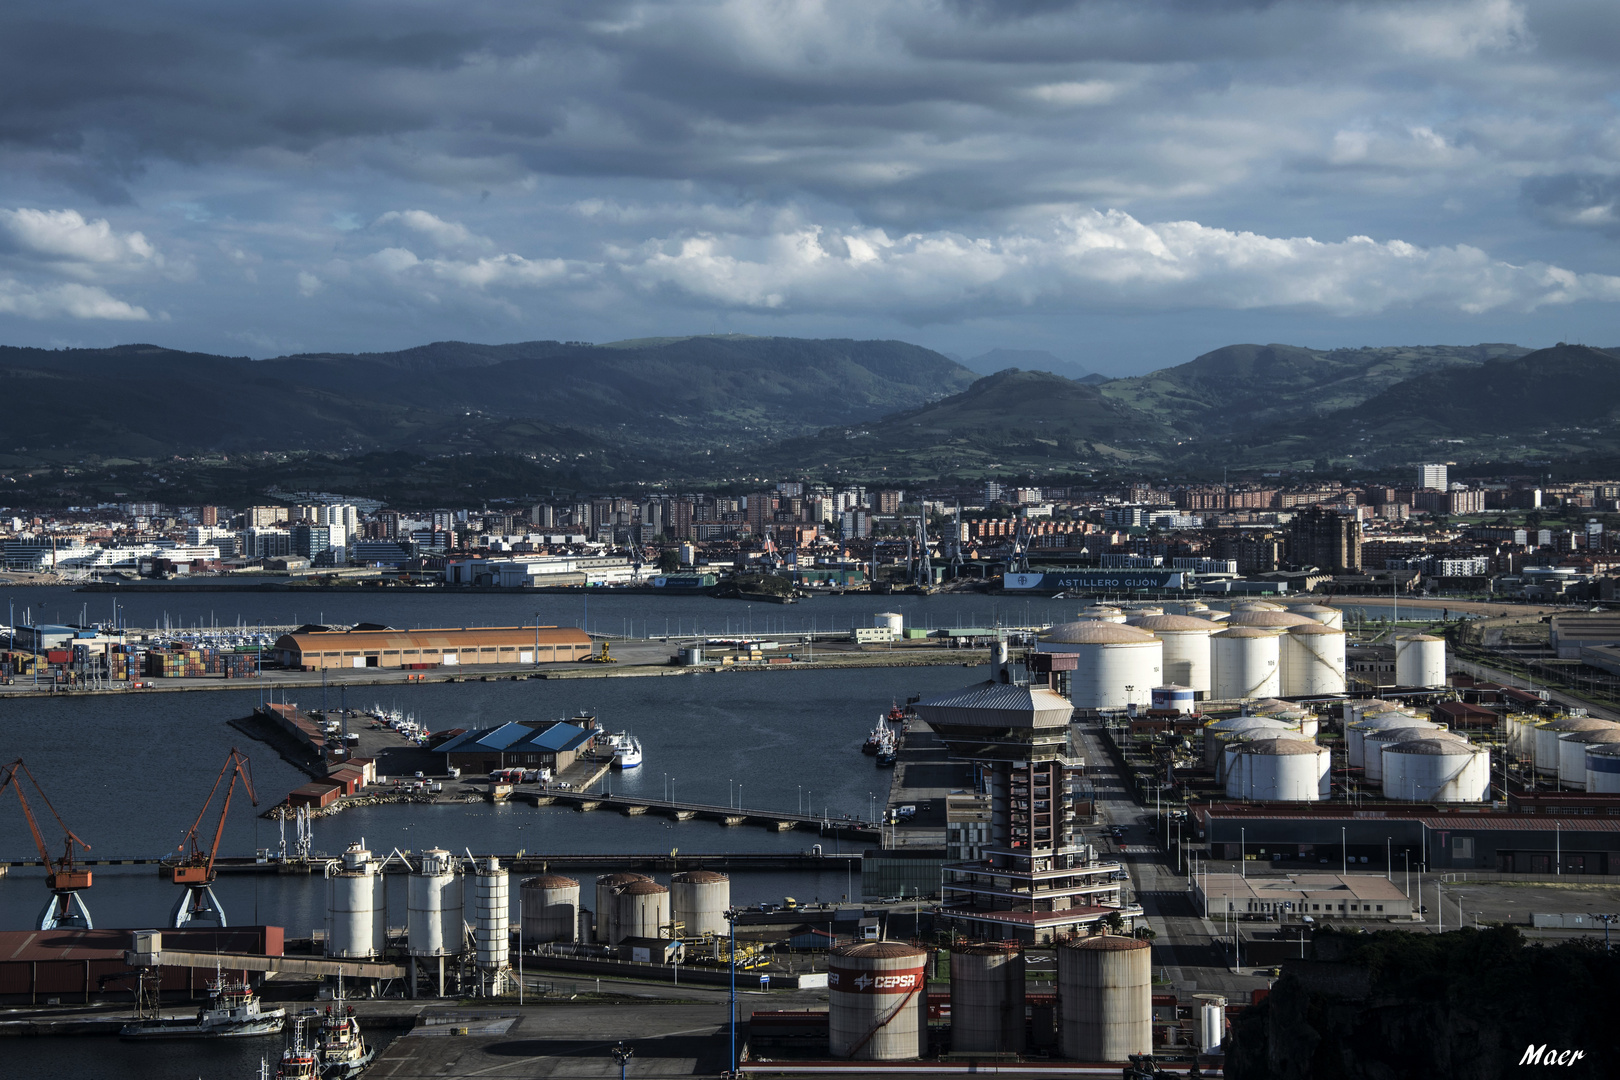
(64, 878)
(194, 868)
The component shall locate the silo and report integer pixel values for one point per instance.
(1374, 742)
(1420, 660)
(1356, 732)
(1572, 749)
(1268, 620)
(433, 906)
(1245, 660)
(1303, 721)
(1280, 770)
(1105, 998)
(987, 999)
(1437, 770)
(1102, 613)
(1186, 607)
(642, 911)
(1603, 769)
(698, 901)
(1327, 616)
(1222, 732)
(877, 1001)
(356, 905)
(1211, 1023)
(1521, 737)
(1186, 648)
(1173, 698)
(550, 908)
(891, 621)
(606, 911)
(1312, 660)
(1109, 657)
(491, 919)
(1548, 733)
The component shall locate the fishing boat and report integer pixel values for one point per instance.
(626, 749)
(233, 1011)
(299, 1062)
(343, 1052)
(874, 741)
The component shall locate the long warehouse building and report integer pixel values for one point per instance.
(316, 650)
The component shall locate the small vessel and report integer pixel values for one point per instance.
(343, 1052)
(897, 715)
(298, 1062)
(626, 749)
(886, 759)
(233, 1011)
(874, 741)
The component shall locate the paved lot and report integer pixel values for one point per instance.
(1514, 903)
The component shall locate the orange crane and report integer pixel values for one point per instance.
(65, 879)
(194, 867)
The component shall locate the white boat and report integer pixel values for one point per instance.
(233, 1011)
(344, 1053)
(626, 750)
(299, 1062)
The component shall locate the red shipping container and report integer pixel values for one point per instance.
(59, 656)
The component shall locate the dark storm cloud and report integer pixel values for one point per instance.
(1577, 201)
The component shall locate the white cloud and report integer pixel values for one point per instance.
(443, 234)
(308, 284)
(65, 236)
(71, 300)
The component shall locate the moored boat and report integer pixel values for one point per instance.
(344, 1053)
(233, 1011)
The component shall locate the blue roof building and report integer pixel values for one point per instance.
(518, 745)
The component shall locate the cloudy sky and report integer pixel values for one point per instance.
(1125, 184)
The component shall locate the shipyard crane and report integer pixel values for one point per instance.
(194, 868)
(65, 880)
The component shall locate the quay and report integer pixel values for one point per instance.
(780, 820)
(528, 862)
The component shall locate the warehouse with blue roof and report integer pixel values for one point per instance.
(556, 745)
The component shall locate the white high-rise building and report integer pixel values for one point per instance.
(1432, 477)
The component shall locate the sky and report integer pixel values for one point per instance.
(1123, 184)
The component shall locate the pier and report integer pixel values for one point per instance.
(779, 820)
(533, 862)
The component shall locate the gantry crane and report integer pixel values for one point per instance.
(66, 908)
(194, 868)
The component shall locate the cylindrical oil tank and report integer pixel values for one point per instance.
(987, 999)
(698, 901)
(1280, 770)
(491, 914)
(550, 908)
(1253, 605)
(1312, 660)
(1223, 732)
(1214, 615)
(1105, 998)
(606, 911)
(643, 911)
(1245, 661)
(1437, 770)
(1276, 620)
(1548, 733)
(1373, 743)
(1173, 698)
(1327, 616)
(1572, 747)
(1186, 607)
(1102, 613)
(1603, 769)
(877, 1001)
(1211, 1023)
(1420, 660)
(1356, 732)
(1521, 734)
(433, 909)
(356, 905)
(891, 621)
(1109, 657)
(1186, 648)
(1139, 611)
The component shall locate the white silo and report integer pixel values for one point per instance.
(1374, 742)
(607, 886)
(877, 1001)
(1105, 998)
(356, 905)
(492, 939)
(891, 621)
(1420, 660)
(1572, 749)
(987, 999)
(1102, 613)
(1214, 615)
(1186, 607)
(698, 901)
(1134, 612)
(1549, 732)
(1313, 660)
(1109, 657)
(643, 911)
(1222, 732)
(433, 909)
(1267, 619)
(1280, 770)
(1303, 721)
(1437, 770)
(1327, 616)
(1603, 769)
(1356, 732)
(550, 909)
(1521, 734)
(1186, 648)
(1245, 661)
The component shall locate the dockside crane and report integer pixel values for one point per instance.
(194, 867)
(65, 879)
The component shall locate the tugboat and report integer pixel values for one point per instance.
(298, 1062)
(233, 1011)
(344, 1054)
(897, 715)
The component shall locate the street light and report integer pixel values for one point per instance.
(1344, 853)
(731, 917)
(622, 1054)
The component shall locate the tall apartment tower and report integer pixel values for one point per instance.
(1432, 477)
(1326, 539)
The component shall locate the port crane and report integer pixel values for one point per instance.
(65, 879)
(194, 868)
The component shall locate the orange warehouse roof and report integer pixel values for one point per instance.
(434, 639)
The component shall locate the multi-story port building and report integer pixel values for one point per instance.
(316, 650)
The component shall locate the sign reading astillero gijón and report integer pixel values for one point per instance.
(861, 981)
(1100, 580)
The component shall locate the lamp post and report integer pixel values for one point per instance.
(731, 917)
(1243, 852)
(1344, 853)
(622, 1054)
(1389, 859)
(1606, 920)
(1558, 848)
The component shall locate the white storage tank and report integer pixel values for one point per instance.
(1355, 733)
(1186, 607)
(1313, 658)
(1173, 698)
(1327, 616)
(492, 901)
(1275, 620)
(356, 905)
(643, 911)
(1102, 613)
(877, 1001)
(1521, 734)
(1222, 732)
(607, 887)
(1437, 770)
(1211, 1023)
(1186, 648)
(1108, 658)
(550, 909)
(1603, 769)
(433, 906)
(1572, 748)
(1139, 611)
(1420, 660)
(1245, 661)
(1280, 770)
(987, 999)
(1373, 743)
(1549, 732)
(1253, 605)
(698, 900)
(1214, 615)
(1105, 998)
(891, 621)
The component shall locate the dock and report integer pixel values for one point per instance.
(778, 820)
(532, 862)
